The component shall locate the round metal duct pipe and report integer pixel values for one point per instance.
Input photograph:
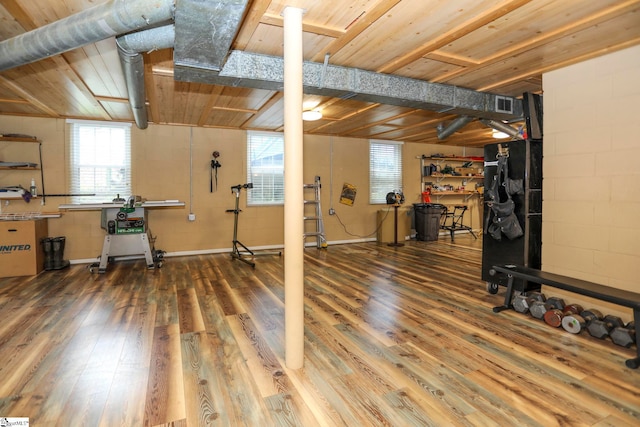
(89, 26)
(456, 124)
(130, 47)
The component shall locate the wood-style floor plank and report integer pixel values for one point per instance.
(394, 336)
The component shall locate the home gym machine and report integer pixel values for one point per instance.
(245, 254)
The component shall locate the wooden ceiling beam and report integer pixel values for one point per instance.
(28, 97)
(454, 34)
(357, 28)
(250, 24)
(111, 99)
(206, 111)
(546, 38)
(277, 97)
(278, 21)
(556, 65)
(13, 101)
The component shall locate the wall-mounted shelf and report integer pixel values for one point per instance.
(17, 165)
(458, 172)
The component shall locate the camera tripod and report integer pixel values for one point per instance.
(245, 254)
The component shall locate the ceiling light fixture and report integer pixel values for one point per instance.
(311, 115)
(498, 135)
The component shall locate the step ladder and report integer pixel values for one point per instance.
(316, 215)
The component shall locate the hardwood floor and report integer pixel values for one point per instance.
(394, 337)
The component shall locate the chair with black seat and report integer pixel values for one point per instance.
(453, 220)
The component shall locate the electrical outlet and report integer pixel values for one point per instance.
(332, 211)
(192, 217)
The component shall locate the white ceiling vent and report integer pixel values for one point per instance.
(504, 104)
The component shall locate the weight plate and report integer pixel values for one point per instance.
(553, 317)
(572, 309)
(573, 323)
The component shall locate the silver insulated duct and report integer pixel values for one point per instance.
(130, 47)
(458, 123)
(89, 26)
(502, 127)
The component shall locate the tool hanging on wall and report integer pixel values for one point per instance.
(215, 164)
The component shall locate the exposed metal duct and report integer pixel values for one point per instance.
(502, 127)
(205, 30)
(130, 47)
(457, 123)
(266, 72)
(89, 26)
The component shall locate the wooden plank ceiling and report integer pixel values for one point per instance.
(501, 47)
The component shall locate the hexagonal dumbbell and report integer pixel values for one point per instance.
(624, 335)
(590, 314)
(573, 323)
(522, 301)
(555, 302)
(600, 328)
(538, 309)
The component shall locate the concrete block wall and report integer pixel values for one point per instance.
(591, 188)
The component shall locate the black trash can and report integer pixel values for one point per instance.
(427, 220)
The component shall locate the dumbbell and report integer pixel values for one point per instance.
(600, 328)
(591, 314)
(553, 317)
(571, 320)
(573, 323)
(538, 309)
(521, 302)
(624, 335)
(576, 319)
(572, 309)
(555, 302)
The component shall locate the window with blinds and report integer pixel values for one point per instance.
(265, 168)
(385, 169)
(99, 161)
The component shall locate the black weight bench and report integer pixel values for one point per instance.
(578, 286)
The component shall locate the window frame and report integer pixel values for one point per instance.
(378, 185)
(119, 153)
(275, 192)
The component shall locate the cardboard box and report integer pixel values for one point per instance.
(21, 253)
(469, 171)
(386, 225)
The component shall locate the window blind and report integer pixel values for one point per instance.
(385, 169)
(99, 161)
(265, 168)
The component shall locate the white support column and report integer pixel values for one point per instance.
(293, 190)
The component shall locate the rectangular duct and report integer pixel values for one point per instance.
(205, 30)
(267, 72)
